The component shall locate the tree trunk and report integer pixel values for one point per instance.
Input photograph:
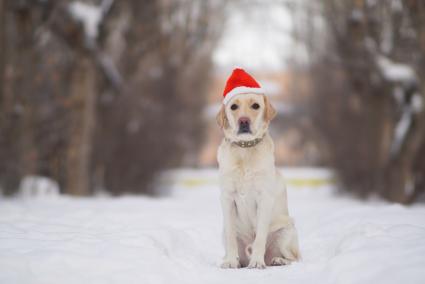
(2, 52)
(401, 183)
(83, 93)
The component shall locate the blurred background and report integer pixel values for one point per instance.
(104, 96)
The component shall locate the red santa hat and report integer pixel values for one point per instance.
(238, 83)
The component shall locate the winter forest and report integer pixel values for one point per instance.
(108, 136)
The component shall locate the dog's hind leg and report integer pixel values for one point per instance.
(284, 247)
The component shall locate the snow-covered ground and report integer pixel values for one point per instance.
(177, 239)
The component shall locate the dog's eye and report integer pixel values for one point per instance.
(234, 107)
(255, 106)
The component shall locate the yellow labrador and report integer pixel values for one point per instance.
(257, 228)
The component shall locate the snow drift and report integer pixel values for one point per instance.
(177, 239)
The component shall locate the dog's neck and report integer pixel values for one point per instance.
(246, 144)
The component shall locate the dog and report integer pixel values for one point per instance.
(258, 230)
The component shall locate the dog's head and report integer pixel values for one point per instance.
(246, 117)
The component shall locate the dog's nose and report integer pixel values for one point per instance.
(244, 120)
(244, 125)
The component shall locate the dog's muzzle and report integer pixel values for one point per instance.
(244, 125)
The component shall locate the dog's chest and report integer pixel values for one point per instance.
(246, 195)
(246, 200)
(243, 172)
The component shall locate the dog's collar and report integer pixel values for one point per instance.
(247, 144)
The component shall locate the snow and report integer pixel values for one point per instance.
(417, 103)
(395, 72)
(89, 15)
(405, 123)
(177, 239)
(38, 186)
(405, 77)
(401, 130)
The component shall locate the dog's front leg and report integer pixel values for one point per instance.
(264, 214)
(231, 258)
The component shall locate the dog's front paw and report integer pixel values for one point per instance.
(257, 263)
(231, 263)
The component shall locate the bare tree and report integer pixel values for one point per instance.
(106, 101)
(166, 64)
(369, 89)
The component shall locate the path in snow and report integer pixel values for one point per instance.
(177, 239)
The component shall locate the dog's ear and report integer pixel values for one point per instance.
(222, 118)
(269, 111)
